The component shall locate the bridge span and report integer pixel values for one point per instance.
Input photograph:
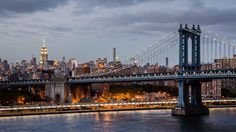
(203, 75)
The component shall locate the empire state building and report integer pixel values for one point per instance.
(43, 54)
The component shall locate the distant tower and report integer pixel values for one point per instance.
(167, 62)
(33, 61)
(114, 55)
(43, 54)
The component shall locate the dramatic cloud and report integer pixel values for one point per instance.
(111, 3)
(154, 16)
(86, 28)
(27, 6)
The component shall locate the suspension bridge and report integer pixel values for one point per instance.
(192, 56)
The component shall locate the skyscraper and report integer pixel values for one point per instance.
(43, 54)
(5, 65)
(33, 61)
(114, 55)
(167, 62)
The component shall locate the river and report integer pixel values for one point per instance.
(220, 119)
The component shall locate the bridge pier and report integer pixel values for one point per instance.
(56, 90)
(186, 107)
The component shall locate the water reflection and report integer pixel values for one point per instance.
(97, 117)
(132, 121)
(192, 123)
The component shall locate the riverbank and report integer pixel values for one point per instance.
(220, 119)
(25, 113)
(77, 111)
(221, 106)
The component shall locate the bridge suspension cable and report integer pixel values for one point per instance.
(212, 47)
(155, 54)
(216, 47)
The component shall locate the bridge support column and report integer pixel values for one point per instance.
(56, 90)
(181, 102)
(193, 95)
(186, 94)
(196, 99)
(192, 107)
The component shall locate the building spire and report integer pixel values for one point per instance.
(43, 53)
(44, 42)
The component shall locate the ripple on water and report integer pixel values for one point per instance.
(137, 121)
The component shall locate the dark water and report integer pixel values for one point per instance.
(223, 119)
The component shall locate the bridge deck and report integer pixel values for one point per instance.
(198, 75)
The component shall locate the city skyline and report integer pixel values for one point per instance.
(115, 58)
(90, 30)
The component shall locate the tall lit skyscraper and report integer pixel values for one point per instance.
(43, 54)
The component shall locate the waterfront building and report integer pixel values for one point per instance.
(210, 89)
(225, 84)
(216, 87)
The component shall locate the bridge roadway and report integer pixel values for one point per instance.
(79, 105)
(25, 82)
(195, 75)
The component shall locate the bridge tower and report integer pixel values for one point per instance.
(57, 90)
(189, 99)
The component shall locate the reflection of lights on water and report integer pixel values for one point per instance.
(228, 109)
(8, 118)
(97, 117)
(69, 118)
(107, 116)
(27, 117)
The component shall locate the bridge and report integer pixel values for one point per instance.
(25, 82)
(203, 57)
(194, 75)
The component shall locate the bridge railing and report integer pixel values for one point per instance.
(25, 81)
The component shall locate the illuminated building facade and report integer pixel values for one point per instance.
(101, 63)
(72, 64)
(214, 88)
(43, 54)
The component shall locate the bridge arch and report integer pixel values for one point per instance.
(57, 98)
(189, 48)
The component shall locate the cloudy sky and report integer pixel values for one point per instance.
(88, 29)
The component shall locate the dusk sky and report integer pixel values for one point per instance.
(88, 29)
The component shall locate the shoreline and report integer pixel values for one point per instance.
(98, 110)
(76, 111)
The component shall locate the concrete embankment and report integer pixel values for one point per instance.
(24, 113)
(76, 111)
(221, 106)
